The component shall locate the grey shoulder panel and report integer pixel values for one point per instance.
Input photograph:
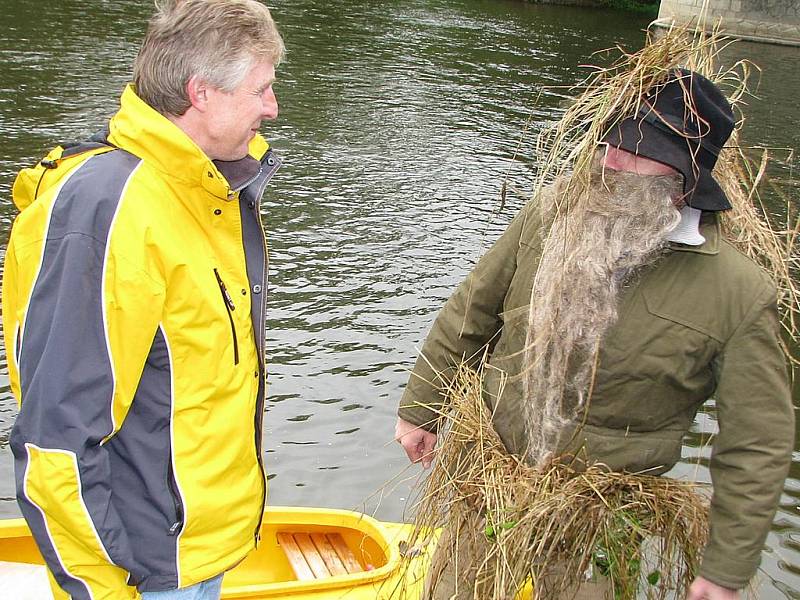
(65, 308)
(88, 201)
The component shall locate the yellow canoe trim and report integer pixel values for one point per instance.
(266, 572)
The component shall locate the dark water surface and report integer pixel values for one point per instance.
(399, 120)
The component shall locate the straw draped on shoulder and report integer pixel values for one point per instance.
(700, 322)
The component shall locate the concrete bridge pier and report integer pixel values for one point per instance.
(771, 21)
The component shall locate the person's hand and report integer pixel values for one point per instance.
(703, 589)
(417, 442)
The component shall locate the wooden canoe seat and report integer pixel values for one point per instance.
(318, 555)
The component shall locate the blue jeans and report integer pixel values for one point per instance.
(207, 590)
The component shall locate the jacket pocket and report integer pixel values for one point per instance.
(702, 319)
(17, 344)
(684, 337)
(177, 525)
(229, 307)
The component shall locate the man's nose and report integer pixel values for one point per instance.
(270, 105)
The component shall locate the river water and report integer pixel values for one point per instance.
(399, 121)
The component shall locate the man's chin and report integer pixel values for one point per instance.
(237, 155)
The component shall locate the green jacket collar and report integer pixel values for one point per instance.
(709, 229)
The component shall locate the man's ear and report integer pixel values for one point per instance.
(197, 90)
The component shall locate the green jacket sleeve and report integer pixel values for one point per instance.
(752, 452)
(466, 324)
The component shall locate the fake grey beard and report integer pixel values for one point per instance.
(601, 233)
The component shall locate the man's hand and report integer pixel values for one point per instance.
(703, 589)
(417, 442)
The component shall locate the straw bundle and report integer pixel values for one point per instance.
(552, 524)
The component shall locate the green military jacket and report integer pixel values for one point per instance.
(701, 322)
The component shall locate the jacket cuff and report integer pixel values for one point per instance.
(418, 414)
(728, 572)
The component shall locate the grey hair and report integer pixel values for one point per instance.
(602, 232)
(216, 40)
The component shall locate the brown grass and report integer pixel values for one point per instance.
(532, 520)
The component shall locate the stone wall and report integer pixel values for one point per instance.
(776, 21)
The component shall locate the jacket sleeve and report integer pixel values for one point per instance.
(752, 452)
(465, 325)
(78, 323)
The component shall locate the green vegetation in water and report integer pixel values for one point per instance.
(618, 556)
(643, 7)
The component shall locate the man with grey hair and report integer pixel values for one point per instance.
(133, 313)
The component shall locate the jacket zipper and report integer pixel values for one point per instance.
(177, 526)
(249, 181)
(229, 306)
(259, 416)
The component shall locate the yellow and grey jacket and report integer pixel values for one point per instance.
(133, 314)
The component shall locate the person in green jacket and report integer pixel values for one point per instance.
(612, 311)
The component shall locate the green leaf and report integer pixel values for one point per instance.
(654, 577)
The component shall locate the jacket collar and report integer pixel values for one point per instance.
(239, 173)
(709, 229)
(144, 132)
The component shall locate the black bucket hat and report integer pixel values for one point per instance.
(683, 123)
